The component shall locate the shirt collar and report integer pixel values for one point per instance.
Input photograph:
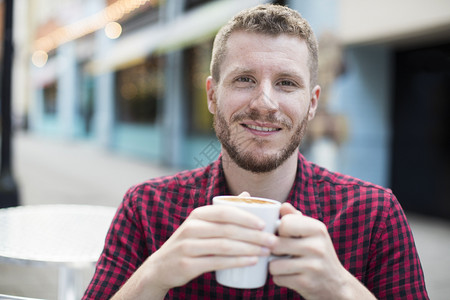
(217, 184)
(302, 196)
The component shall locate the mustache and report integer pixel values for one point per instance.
(257, 116)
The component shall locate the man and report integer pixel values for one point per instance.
(347, 239)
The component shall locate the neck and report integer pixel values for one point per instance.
(276, 184)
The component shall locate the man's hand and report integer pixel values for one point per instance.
(211, 238)
(313, 270)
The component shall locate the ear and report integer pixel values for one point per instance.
(210, 93)
(314, 102)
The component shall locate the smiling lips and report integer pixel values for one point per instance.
(261, 129)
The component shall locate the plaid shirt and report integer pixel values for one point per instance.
(366, 223)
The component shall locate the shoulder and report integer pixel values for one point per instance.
(349, 201)
(323, 176)
(340, 191)
(186, 179)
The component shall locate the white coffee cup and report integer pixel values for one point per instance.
(252, 276)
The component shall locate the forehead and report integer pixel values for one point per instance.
(247, 49)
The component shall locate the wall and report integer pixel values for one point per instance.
(387, 20)
(363, 93)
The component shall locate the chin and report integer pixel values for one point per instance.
(263, 163)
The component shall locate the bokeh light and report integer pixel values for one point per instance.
(39, 58)
(113, 30)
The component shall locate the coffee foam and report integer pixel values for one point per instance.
(247, 200)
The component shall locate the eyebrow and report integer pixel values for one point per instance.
(240, 69)
(298, 77)
(235, 71)
(287, 73)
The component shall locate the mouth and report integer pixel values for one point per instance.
(261, 129)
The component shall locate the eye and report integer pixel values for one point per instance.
(287, 83)
(244, 79)
(244, 82)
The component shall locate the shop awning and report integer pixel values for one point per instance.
(188, 29)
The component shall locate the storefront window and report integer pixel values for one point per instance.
(138, 92)
(197, 67)
(86, 102)
(50, 92)
(190, 4)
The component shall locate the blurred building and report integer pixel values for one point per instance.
(130, 76)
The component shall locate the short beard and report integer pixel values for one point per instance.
(248, 160)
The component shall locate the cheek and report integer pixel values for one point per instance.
(231, 103)
(294, 110)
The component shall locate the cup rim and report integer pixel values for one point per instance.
(222, 198)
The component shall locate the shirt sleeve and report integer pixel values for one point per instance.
(394, 270)
(123, 253)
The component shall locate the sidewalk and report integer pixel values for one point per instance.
(77, 172)
(51, 171)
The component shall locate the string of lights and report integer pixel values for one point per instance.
(106, 18)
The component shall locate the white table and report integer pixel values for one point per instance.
(70, 237)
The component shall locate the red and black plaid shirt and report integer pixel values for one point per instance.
(366, 223)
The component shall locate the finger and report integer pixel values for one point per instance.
(299, 247)
(203, 230)
(220, 247)
(244, 194)
(178, 270)
(188, 268)
(287, 208)
(296, 225)
(228, 214)
(200, 265)
(292, 266)
(290, 281)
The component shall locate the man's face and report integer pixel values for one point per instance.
(263, 100)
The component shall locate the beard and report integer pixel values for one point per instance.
(249, 160)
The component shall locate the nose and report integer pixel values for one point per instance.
(264, 99)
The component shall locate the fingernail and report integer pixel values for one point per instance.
(251, 260)
(261, 224)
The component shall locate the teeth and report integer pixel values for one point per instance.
(261, 128)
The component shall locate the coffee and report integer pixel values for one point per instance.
(247, 200)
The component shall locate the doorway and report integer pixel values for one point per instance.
(420, 175)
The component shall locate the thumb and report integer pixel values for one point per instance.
(244, 194)
(287, 208)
